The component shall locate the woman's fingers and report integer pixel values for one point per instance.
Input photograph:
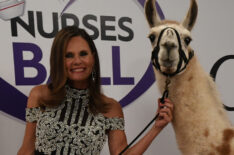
(164, 117)
(166, 112)
(167, 104)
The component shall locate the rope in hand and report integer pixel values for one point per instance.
(165, 95)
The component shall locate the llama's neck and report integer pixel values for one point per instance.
(192, 91)
(197, 105)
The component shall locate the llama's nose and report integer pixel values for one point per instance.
(169, 46)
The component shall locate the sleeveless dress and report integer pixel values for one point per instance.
(70, 128)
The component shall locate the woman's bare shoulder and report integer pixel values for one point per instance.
(36, 94)
(115, 109)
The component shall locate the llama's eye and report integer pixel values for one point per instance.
(152, 38)
(187, 40)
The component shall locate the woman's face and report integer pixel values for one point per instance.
(79, 62)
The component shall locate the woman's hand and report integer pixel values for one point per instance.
(165, 111)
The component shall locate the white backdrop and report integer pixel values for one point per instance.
(212, 40)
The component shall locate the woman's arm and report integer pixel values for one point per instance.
(117, 139)
(28, 145)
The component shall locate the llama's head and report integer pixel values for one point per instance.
(170, 39)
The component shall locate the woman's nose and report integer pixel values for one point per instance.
(77, 60)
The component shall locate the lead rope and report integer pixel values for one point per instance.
(165, 95)
(166, 90)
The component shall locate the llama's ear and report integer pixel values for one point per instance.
(151, 13)
(191, 16)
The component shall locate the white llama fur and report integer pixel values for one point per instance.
(200, 122)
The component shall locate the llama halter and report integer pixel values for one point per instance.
(154, 60)
(154, 56)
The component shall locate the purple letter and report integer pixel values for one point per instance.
(20, 79)
(117, 79)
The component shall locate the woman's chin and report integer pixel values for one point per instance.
(78, 78)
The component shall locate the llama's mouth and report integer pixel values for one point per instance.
(167, 63)
(168, 66)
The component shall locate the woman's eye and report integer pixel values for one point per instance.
(69, 55)
(83, 53)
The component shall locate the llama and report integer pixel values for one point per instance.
(200, 122)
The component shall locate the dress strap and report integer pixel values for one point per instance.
(115, 123)
(32, 114)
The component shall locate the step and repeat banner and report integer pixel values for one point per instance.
(119, 30)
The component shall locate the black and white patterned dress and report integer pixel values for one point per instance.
(71, 129)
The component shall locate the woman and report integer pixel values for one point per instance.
(71, 115)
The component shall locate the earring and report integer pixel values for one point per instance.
(93, 75)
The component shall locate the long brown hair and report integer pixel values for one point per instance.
(58, 73)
